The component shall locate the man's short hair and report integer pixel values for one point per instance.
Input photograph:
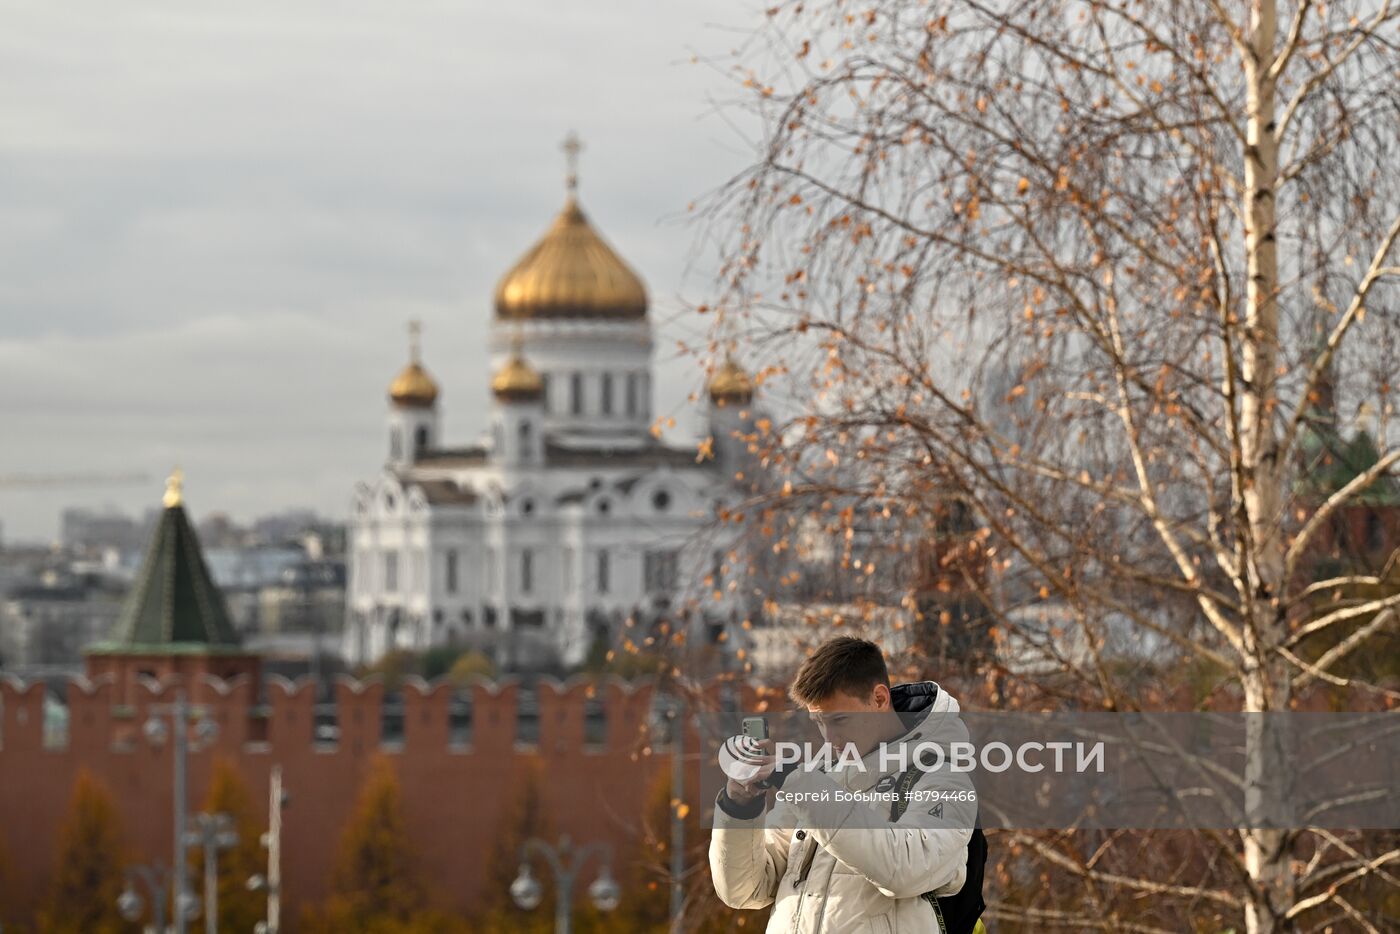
(845, 664)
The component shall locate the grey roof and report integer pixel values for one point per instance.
(651, 455)
(445, 493)
(449, 457)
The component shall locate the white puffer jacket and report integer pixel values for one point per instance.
(828, 869)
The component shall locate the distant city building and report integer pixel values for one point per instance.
(570, 517)
(45, 623)
(89, 531)
(288, 526)
(308, 597)
(280, 588)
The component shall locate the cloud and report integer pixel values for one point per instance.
(218, 220)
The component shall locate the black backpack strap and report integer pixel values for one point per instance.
(903, 790)
(937, 912)
(955, 914)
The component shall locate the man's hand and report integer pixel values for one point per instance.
(744, 792)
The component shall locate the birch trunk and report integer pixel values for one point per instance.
(1266, 681)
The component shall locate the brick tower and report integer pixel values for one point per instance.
(174, 621)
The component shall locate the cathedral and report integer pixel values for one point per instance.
(569, 517)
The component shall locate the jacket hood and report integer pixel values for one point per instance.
(914, 696)
(915, 700)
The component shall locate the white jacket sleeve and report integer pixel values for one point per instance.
(747, 860)
(921, 853)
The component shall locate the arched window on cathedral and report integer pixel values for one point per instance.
(576, 393)
(631, 394)
(420, 439)
(525, 439)
(605, 401)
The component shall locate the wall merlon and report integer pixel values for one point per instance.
(577, 716)
(22, 705)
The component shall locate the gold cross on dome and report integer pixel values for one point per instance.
(572, 146)
(415, 333)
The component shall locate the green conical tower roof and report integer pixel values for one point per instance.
(1331, 462)
(173, 605)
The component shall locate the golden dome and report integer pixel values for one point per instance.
(413, 387)
(731, 384)
(517, 381)
(570, 273)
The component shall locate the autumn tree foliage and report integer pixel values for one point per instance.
(525, 818)
(646, 873)
(376, 887)
(1108, 276)
(7, 880)
(87, 877)
(239, 909)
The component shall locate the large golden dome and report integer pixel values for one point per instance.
(571, 273)
(517, 381)
(413, 387)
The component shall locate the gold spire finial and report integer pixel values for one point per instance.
(174, 489)
(572, 146)
(415, 334)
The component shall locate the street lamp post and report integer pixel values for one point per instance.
(185, 902)
(211, 832)
(155, 879)
(272, 882)
(676, 713)
(565, 861)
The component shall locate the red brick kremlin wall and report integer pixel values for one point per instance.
(456, 799)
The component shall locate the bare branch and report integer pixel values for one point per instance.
(1338, 499)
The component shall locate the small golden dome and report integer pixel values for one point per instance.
(517, 381)
(570, 273)
(731, 385)
(413, 387)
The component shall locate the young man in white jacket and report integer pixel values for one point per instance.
(842, 863)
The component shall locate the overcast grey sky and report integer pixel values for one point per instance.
(215, 220)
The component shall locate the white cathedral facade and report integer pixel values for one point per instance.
(569, 516)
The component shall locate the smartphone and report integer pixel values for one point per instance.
(755, 727)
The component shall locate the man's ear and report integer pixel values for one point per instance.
(882, 698)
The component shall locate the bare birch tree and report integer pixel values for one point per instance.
(1112, 275)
